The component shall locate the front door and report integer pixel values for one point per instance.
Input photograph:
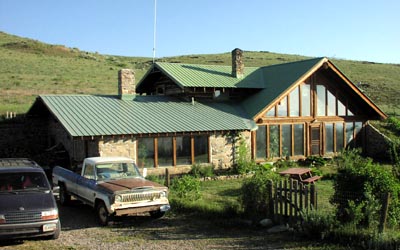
(315, 139)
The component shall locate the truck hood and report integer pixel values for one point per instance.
(27, 201)
(128, 184)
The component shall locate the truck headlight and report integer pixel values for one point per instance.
(163, 194)
(118, 198)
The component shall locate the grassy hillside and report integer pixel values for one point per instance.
(29, 68)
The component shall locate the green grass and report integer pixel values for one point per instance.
(29, 68)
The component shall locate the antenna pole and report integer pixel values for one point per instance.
(154, 28)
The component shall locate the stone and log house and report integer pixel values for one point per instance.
(184, 114)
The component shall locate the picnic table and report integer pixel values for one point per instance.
(301, 174)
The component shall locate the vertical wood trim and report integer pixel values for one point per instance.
(280, 139)
(209, 148)
(192, 149)
(268, 153)
(253, 142)
(155, 152)
(292, 139)
(174, 151)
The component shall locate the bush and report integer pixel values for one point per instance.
(316, 224)
(156, 178)
(359, 185)
(186, 187)
(198, 170)
(255, 194)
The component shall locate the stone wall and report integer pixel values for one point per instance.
(118, 146)
(377, 145)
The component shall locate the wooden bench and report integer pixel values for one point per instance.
(312, 179)
(301, 174)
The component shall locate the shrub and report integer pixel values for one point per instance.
(362, 183)
(156, 178)
(316, 224)
(198, 170)
(243, 164)
(255, 193)
(186, 187)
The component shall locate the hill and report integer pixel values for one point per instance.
(29, 68)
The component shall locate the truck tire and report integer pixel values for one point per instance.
(65, 197)
(156, 214)
(103, 217)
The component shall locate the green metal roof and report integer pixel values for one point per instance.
(89, 115)
(218, 76)
(277, 79)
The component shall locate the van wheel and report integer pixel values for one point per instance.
(103, 217)
(65, 197)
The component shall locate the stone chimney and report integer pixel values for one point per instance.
(237, 63)
(126, 84)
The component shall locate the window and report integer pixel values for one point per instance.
(294, 109)
(331, 104)
(145, 152)
(165, 151)
(261, 143)
(321, 99)
(341, 109)
(274, 141)
(329, 138)
(305, 100)
(183, 150)
(282, 107)
(298, 139)
(339, 136)
(271, 112)
(201, 149)
(286, 140)
(349, 133)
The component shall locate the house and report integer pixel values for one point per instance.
(182, 114)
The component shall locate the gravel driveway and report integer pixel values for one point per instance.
(80, 231)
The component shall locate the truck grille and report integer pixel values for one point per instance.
(140, 197)
(23, 216)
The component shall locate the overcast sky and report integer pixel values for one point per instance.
(366, 30)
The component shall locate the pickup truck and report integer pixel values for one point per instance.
(113, 186)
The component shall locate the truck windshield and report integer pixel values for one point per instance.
(116, 170)
(23, 181)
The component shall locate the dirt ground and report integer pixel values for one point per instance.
(80, 231)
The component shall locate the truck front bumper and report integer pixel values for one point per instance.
(143, 209)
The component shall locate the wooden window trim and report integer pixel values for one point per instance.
(174, 151)
(192, 161)
(155, 143)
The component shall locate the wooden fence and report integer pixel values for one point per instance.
(290, 197)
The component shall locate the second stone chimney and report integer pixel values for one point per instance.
(126, 84)
(237, 63)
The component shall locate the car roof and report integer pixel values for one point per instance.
(20, 164)
(96, 160)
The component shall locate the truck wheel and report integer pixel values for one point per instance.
(65, 197)
(103, 217)
(156, 214)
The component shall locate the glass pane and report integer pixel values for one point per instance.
(201, 149)
(321, 97)
(282, 107)
(349, 132)
(341, 109)
(165, 151)
(298, 139)
(261, 143)
(349, 113)
(357, 129)
(315, 140)
(331, 104)
(286, 140)
(183, 153)
(274, 141)
(145, 152)
(339, 137)
(305, 100)
(328, 138)
(271, 112)
(294, 109)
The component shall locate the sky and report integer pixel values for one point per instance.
(362, 30)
